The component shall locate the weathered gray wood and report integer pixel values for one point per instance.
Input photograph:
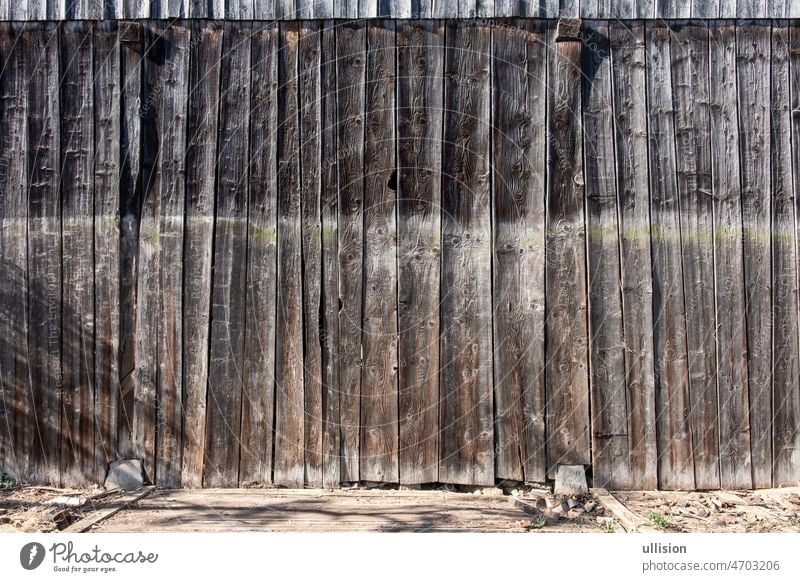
(57, 9)
(264, 9)
(519, 121)
(16, 407)
(329, 303)
(420, 62)
(785, 342)
(609, 402)
(751, 9)
(106, 93)
(675, 459)
(732, 380)
(567, 366)
(644, 8)
(753, 72)
(311, 231)
(255, 464)
(705, 8)
(201, 156)
(289, 469)
(689, 62)
(379, 411)
(285, 9)
(466, 399)
(350, 72)
(630, 124)
(77, 227)
(443, 9)
(135, 9)
(228, 291)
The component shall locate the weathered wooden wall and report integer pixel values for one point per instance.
(314, 252)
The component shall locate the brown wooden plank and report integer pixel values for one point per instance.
(289, 468)
(40, 45)
(379, 412)
(519, 110)
(172, 185)
(466, 400)
(565, 291)
(350, 77)
(420, 62)
(609, 397)
(732, 381)
(226, 347)
(689, 61)
(77, 227)
(259, 342)
(16, 430)
(630, 123)
(785, 342)
(311, 232)
(329, 335)
(753, 54)
(675, 459)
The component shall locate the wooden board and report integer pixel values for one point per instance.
(519, 122)
(255, 463)
(201, 156)
(351, 44)
(732, 381)
(289, 465)
(420, 62)
(566, 341)
(77, 227)
(379, 412)
(785, 343)
(753, 53)
(466, 453)
(226, 347)
(689, 62)
(630, 143)
(675, 458)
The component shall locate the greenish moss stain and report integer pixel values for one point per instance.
(262, 236)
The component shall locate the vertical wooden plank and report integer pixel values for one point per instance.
(565, 275)
(17, 429)
(630, 142)
(285, 9)
(466, 399)
(519, 122)
(751, 8)
(753, 57)
(77, 225)
(37, 9)
(466, 9)
(331, 441)
(311, 232)
(18, 11)
(289, 397)
(40, 45)
(420, 61)
(226, 347)
(57, 9)
(350, 72)
(705, 9)
(259, 342)
(675, 459)
(644, 9)
(689, 61)
(506, 8)
(444, 9)
(609, 403)
(135, 9)
(172, 185)
(732, 381)
(785, 343)
(106, 243)
(263, 9)
(379, 412)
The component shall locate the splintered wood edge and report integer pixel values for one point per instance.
(96, 517)
(630, 521)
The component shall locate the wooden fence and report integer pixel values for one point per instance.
(319, 252)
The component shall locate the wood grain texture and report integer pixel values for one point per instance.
(228, 290)
(258, 405)
(565, 274)
(753, 74)
(420, 63)
(675, 458)
(732, 379)
(519, 69)
(466, 398)
(351, 44)
(630, 142)
(77, 227)
(289, 468)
